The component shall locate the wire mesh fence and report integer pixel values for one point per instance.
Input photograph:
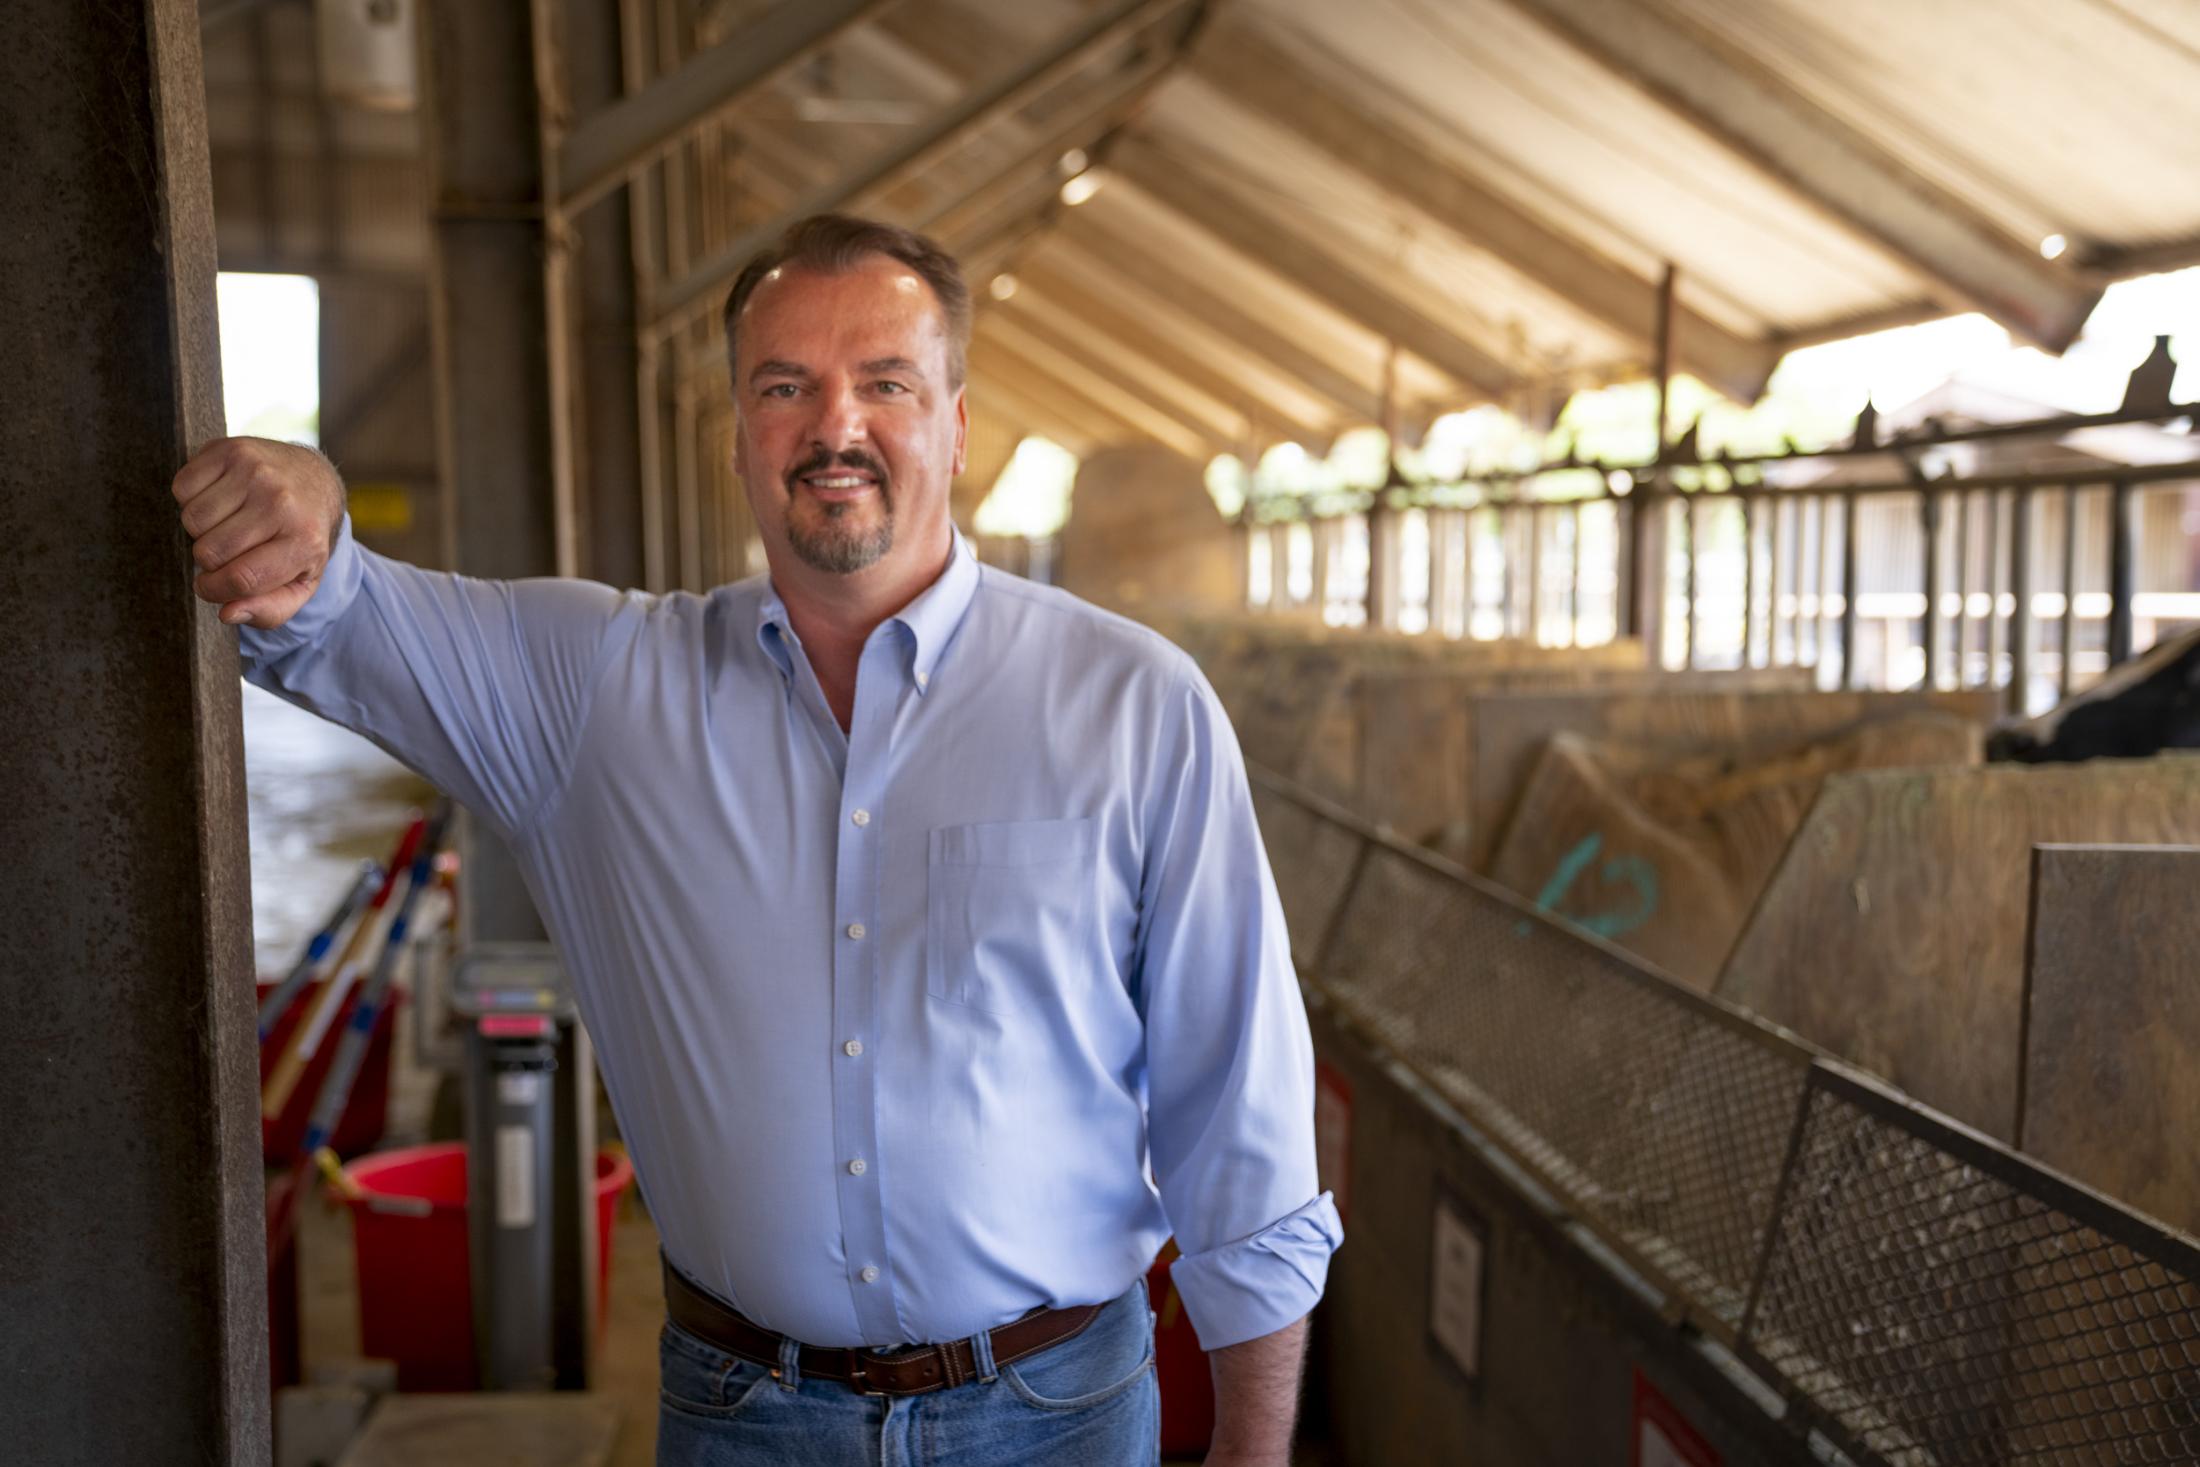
(1926, 1295)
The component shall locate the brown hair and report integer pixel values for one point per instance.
(832, 243)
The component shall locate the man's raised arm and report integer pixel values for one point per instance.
(481, 686)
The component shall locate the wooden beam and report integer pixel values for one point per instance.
(1761, 116)
(946, 131)
(1194, 184)
(1262, 77)
(1157, 347)
(599, 154)
(1107, 254)
(1188, 439)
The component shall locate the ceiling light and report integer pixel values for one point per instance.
(1082, 187)
(2051, 248)
(1003, 286)
(1073, 162)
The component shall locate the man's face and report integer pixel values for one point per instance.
(850, 430)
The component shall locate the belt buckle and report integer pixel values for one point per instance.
(858, 1382)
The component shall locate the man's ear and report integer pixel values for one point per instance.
(962, 427)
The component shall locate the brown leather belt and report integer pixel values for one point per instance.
(910, 1372)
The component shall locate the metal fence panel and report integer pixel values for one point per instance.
(1935, 1299)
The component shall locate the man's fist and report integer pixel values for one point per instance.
(262, 517)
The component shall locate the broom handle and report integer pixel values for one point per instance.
(351, 1050)
(290, 1066)
(301, 972)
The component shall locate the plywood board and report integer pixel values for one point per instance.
(2111, 1078)
(1666, 857)
(1893, 932)
(1509, 734)
(1418, 732)
(515, 1429)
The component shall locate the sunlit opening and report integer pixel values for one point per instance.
(271, 355)
(1031, 497)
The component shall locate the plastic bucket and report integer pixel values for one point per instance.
(415, 1278)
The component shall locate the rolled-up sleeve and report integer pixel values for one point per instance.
(1230, 1065)
(481, 686)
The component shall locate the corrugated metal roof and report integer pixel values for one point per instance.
(2017, 118)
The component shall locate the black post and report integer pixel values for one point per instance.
(2021, 630)
(1851, 578)
(133, 1267)
(1929, 523)
(2123, 564)
(2069, 628)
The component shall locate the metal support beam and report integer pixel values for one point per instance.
(1255, 73)
(1130, 269)
(1163, 351)
(506, 512)
(1191, 183)
(1136, 375)
(945, 132)
(2123, 568)
(1156, 418)
(1143, 422)
(634, 132)
(602, 319)
(132, 1222)
(1764, 118)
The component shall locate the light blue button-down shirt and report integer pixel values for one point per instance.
(901, 1025)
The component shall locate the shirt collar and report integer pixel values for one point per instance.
(931, 618)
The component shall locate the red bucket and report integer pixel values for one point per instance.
(415, 1280)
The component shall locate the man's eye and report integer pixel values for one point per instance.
(891, 387)
(780, 390)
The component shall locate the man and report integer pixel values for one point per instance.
(914, 911)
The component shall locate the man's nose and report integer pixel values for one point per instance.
(841, 421)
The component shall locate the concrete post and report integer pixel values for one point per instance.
(132, 1233)
(507, 480)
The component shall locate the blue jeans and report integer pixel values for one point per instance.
(1092, 1401)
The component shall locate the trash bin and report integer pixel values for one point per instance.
(415, 1290)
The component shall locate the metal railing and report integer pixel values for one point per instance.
(1933, 574)
(1917, 1292)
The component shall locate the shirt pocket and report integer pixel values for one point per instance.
(1006, 909)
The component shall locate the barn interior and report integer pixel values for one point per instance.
(1692, 508)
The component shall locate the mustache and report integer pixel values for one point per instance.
(846, 458)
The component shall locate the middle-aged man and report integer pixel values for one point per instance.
(917, 912)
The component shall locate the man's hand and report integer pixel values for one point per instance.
(1257, 1399)
(262, 517)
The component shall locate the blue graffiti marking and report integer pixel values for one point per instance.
(1631, 871)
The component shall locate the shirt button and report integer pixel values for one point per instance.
(869, 1275)
(852, 1048)
(923, 678)
(857, 1168)
(861, 817)
(856, 930)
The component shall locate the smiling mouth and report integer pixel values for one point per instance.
(838, 482)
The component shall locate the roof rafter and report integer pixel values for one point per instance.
(1193, 440)
(946, 130)
(1104, 253)
(1255, 73)
(1762, 117)
(1128, 368)
(1193, 185)
(599, 154)
(1107, 318)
